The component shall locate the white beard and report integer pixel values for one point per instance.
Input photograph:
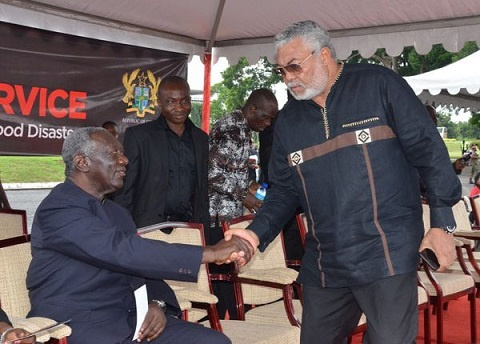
(316, 87)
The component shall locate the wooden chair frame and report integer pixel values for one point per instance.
(475, 204)
(474, 265)
(440, 300)
(15, 212)
(238, 280)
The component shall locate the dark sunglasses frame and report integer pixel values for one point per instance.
(295, 68)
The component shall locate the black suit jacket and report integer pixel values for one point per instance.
(4, 317)
(146, 183)
(88, 260)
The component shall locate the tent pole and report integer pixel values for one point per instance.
(207, 62)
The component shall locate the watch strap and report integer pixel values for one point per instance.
(161, 304)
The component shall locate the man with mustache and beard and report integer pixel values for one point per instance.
(349, 149)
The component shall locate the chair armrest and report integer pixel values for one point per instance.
(282, 276)
(36, 323)
(183, 303)
(196, 295)
(471, 235)
(465, 244)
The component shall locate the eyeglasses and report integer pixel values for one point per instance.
(295, 68)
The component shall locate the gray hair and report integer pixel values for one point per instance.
(78, 142)
(313, 34)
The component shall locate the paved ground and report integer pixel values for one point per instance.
(29, 196)
(466, 186)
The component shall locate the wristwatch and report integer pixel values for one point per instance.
(449, 229)
(161, 304)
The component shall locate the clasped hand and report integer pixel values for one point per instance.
(227, 251)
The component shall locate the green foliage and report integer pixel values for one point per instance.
(411, 63)
(475, 120)
(462, 131)
(196, 114)
(454, 148)
(31, 169)
(239, 81)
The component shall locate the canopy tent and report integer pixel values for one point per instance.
(246, 28)
(457, 83)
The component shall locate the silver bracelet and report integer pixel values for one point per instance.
(161, 304)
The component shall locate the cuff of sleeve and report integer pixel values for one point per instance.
(441, 217)
(263, 237)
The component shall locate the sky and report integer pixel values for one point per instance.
(195, 72)
(195, 77)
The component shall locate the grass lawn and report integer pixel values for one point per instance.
(31, 169)
(454, 148)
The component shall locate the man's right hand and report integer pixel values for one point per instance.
(245, 234)
(235, 249)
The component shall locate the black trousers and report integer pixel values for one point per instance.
(390, 304)
(223, 290)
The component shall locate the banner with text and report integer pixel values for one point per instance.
(52, 83)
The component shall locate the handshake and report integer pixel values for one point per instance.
(239, 245)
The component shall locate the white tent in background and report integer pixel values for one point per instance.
(457, 83)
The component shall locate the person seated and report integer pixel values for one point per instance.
(8, 333)
(88, 259)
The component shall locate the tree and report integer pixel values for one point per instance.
(196, 114)
(412, 63)
(474, 121)
(239, 81)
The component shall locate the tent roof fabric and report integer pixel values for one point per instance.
(246, 28)
(464, 73)
(457, 83)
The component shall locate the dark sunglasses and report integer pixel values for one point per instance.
(295, 68)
